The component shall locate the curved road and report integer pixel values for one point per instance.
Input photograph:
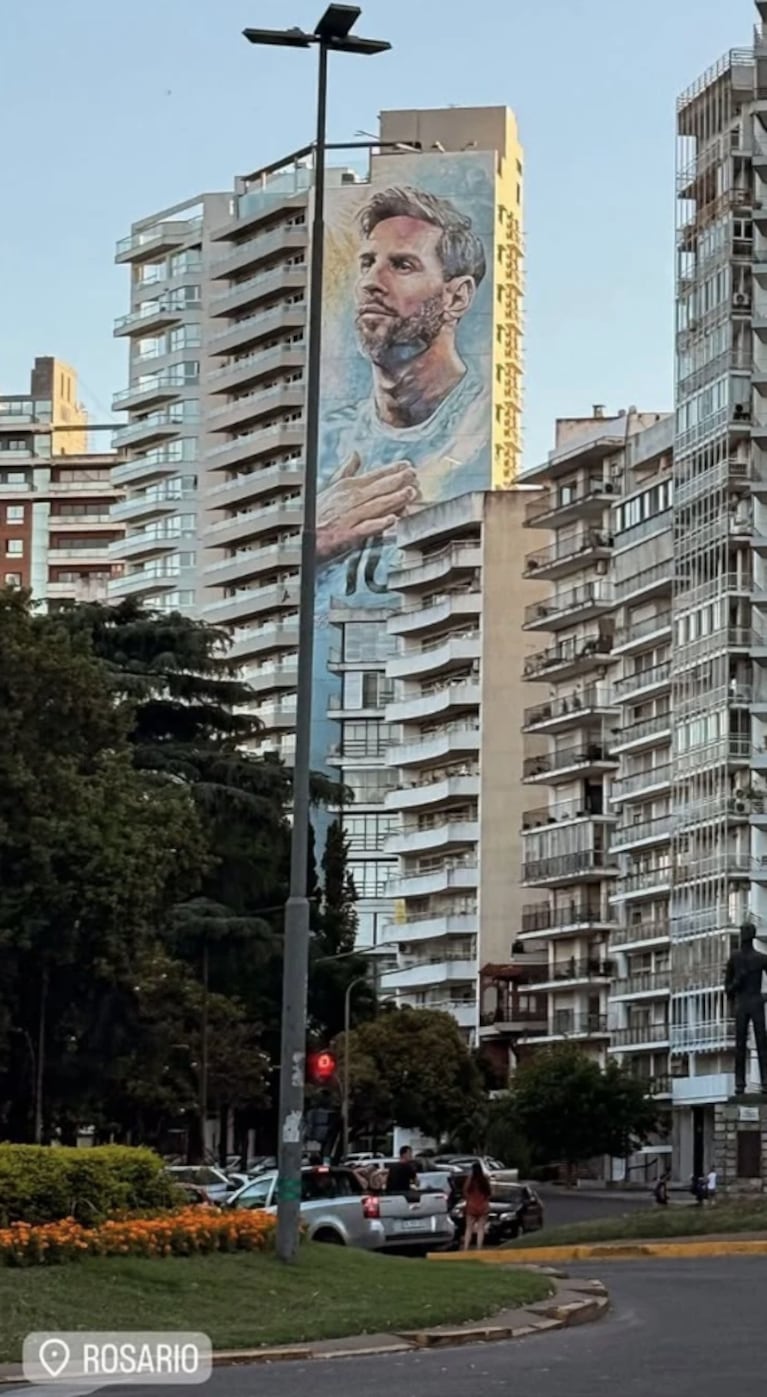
(677, 1329)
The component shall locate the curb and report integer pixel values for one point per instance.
(577, 1302)
(614, 1251)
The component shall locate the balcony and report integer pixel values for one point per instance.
(144, 542)
(451, 829)
(289, 355)
(149, 242)
(441, 654)
(457, 695)
(285, 513)
(655, 932)
(452, 740)
(730, 475)
(145, 582)
(571, 711)
(727, 864)
(645, 882)
(590, 865)
(561, 812)
(631, 833)
(270, 679)
(565, 608)
(650, 983)
(568, 555)
(439, 877)
(645, 733)
(153, 315)
(430, 613)
(248, 446)
(426, 926)
(588, 759)
(575, 970)
(159, 388)
(285, 476)
(278, 716)
(578, 915)
(259, 640)
(639, 586)
(155, 427)
(636, 635)
(712, 1035)
(510, 1018)
(456, 558)
(237, 413)
(250, 251)
(438, 790)
(250, 290)
(255, 562)
(568, 1023)
(431, 971)
(566, 661)
(555, 509)
(641, 1035)
(642, 681)
(289, 316)
(253, 601)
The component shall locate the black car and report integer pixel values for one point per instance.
(514, 1209)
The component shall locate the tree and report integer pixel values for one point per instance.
(413, 1068)
(92, 855)
(570, 1109)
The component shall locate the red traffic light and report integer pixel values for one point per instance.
(320, 1067)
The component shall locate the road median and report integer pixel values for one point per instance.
(628, 1250)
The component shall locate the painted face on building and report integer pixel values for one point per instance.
(402, 297)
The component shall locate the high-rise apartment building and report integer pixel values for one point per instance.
(164, 438)
(217, 329)
(56, 528)
(568, 830)
(455, 750)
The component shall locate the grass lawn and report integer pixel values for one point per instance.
(243, 1300)
(741, 1215)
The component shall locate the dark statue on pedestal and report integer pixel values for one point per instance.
(743, 987)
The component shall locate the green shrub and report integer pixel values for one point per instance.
(43, 1183)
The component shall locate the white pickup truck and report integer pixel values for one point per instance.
(336, 1208)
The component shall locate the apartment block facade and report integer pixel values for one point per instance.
(455, 750)
(57, 531)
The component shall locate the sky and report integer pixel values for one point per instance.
(111, 112)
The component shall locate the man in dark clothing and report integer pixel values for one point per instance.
(403, 1176)
(743, 987)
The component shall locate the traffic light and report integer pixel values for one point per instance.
(320, 1067)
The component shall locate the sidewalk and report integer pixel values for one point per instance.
(630, 1249)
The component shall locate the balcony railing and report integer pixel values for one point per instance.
(639, 1033)
(645, 779)
(587, 755)
(643, 982)
(540, 916)
(637, 630)
(651, 577)
(656, 876)
(568, 865)
(576, 808)
(594, 540)
(566, 1022)
(550, 503)
(641, 678)
(628, 932)
(596, 697)
(630, 830)
(577, 599)
(580, 969)
(560, 656)
(647, 727)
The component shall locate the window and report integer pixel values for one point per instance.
(257, 1195)
(14, 514)
(14, 548)
(13, 579)
(367, 640)
(371, 879)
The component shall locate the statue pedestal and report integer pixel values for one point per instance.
(740, 1144)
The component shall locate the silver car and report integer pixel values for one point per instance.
(335, 1207)
(208, 1177)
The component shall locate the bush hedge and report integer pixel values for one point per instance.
(45, 1183)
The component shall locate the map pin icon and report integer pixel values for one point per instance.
(54, 1356)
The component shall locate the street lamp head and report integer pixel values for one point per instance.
(337, 21)
(280, 38)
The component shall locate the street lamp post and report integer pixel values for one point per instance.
(331, 34)
(359, 980)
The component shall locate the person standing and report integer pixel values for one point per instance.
(476, 1196)
(660, 1192)
(403, 1175)
(711, 1185)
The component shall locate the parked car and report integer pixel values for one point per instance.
(514, 1209)
(336, 1208)
(465, 1161)
(209, 1177)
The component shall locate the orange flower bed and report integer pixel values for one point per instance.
(188, 1232)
